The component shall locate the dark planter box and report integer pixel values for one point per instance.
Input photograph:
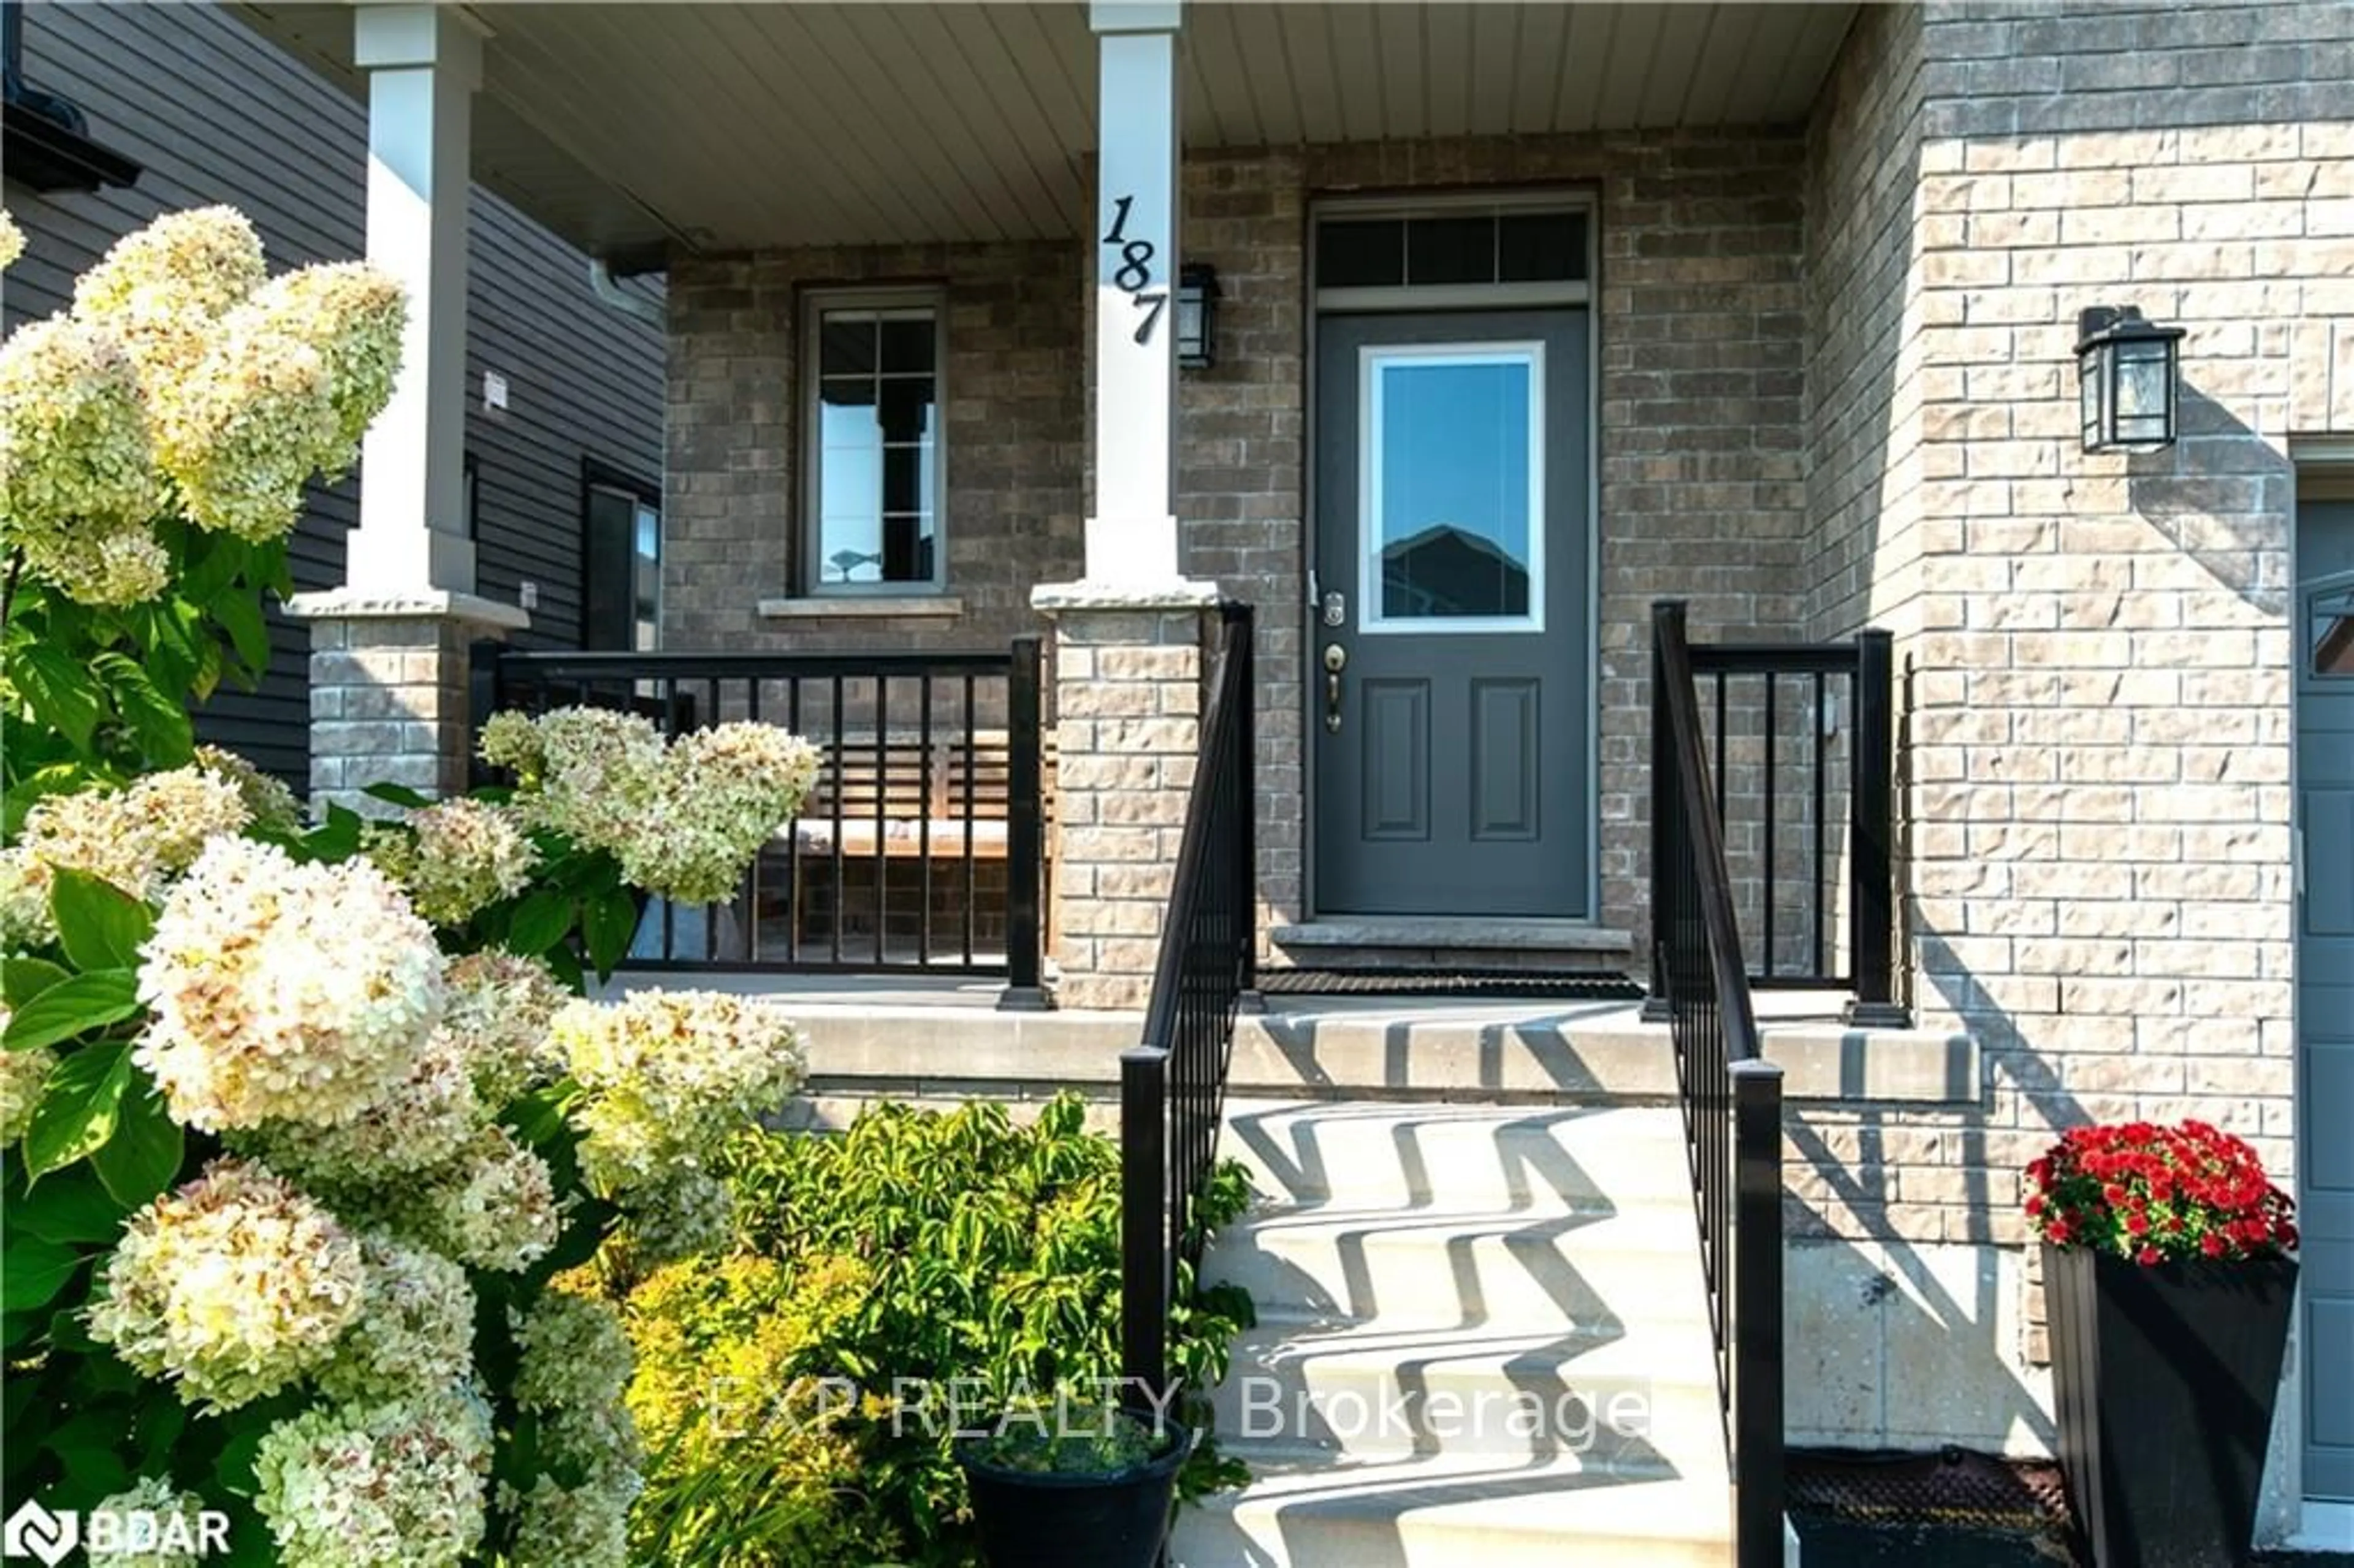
(2165, 1379)
(1040, 1519)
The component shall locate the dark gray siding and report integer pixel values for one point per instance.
(216, 114)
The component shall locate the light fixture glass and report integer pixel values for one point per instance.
(1197, 315)
(2129, 375)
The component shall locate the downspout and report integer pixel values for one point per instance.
(602, 284)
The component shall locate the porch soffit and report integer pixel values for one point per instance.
(724, 127)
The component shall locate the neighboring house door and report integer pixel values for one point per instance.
(1452, 553)
(2326, 988)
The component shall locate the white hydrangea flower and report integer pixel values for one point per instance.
(426, 1121)
(679, 1215)
(510, 740)
(360, 1486)
(722, 792)
(596, 777)
(455, 857)
(494, 1208)
(352, 314)
(232, 1288)
(12, 241)
(572, 1527)
(269, 803)
(161, 289)
(157, 1498)
(136, 838)
(282, 991)
(245, 434)
(23, 1075)
(417, 1330)
(667, 1075)
(576, 1354)
(501, 1005)
(24, 901)
(78, 484)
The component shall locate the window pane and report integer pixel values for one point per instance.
(1541, 248)
(908, 345)
(608, 611)
(906, 547)
(846, 346)
(1360, 253)
(2331, 628)
(1452, 519)
(850, 549)
(1451, 251)
(902, 477)
(906, 409)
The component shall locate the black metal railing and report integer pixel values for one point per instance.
(1173, 1085)
(922, 844)
(1786, 778)
(1732, 1097)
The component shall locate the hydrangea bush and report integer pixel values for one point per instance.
(306, 1126)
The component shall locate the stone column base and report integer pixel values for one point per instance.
(1127, 706)
(389, 701)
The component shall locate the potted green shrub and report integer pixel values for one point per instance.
(2169, 1278)
(1058, 1489)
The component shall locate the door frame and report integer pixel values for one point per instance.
(1466, 298)
(2319, 470)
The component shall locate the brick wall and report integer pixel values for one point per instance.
(2098, 841)
(1014, 429)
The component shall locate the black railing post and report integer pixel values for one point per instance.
(1145, 1260)
(1663, 775)
(1025, 830)
(1243, 642)
(485, 694)
(1759, 1464)
(1872, 888)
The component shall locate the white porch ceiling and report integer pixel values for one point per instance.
(733, 126)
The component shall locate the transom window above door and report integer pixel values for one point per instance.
(875, 456)
(1450, 248)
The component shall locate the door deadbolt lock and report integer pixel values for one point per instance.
(1336, 659)
(1336, 609)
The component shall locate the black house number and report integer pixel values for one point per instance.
(1134, 276)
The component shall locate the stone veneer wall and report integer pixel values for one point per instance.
(2098, 809)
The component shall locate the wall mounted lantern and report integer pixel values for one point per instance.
(2127, 371)
(1197, 315)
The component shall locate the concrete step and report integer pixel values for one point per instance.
(1622, 1399)
(1538, 1160)
(1455, 1510)
(1444, 1270)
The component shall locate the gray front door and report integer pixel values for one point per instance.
(2325, 988)
(1451, 569)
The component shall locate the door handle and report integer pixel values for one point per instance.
(1336, 658)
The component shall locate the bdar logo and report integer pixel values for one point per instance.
(34, 1531)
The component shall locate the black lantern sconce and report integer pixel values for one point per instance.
(1197, 315)
(2127, 371)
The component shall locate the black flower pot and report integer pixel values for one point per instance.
(1031, 1519)
(2165, 1378)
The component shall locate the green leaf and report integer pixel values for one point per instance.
(78, 1109)
(240, 617)
(102, 927)
(71, 1007)
(398, 795)
(36, 1271)
(144, 1156)
(161, 724)
(22, 980)
(70, 1208)
(611, 919)
(59, 692)
(540, 922)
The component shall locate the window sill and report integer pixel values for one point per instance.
(864, 607)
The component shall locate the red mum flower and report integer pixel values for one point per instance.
(2213, 1244)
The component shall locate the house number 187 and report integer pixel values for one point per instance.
(1133, 277)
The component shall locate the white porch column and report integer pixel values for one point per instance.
(424, 62)
(1132, 537)
(390, 649)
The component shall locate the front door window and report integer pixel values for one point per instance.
(1453, 449)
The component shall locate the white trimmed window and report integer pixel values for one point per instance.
(874, 457)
